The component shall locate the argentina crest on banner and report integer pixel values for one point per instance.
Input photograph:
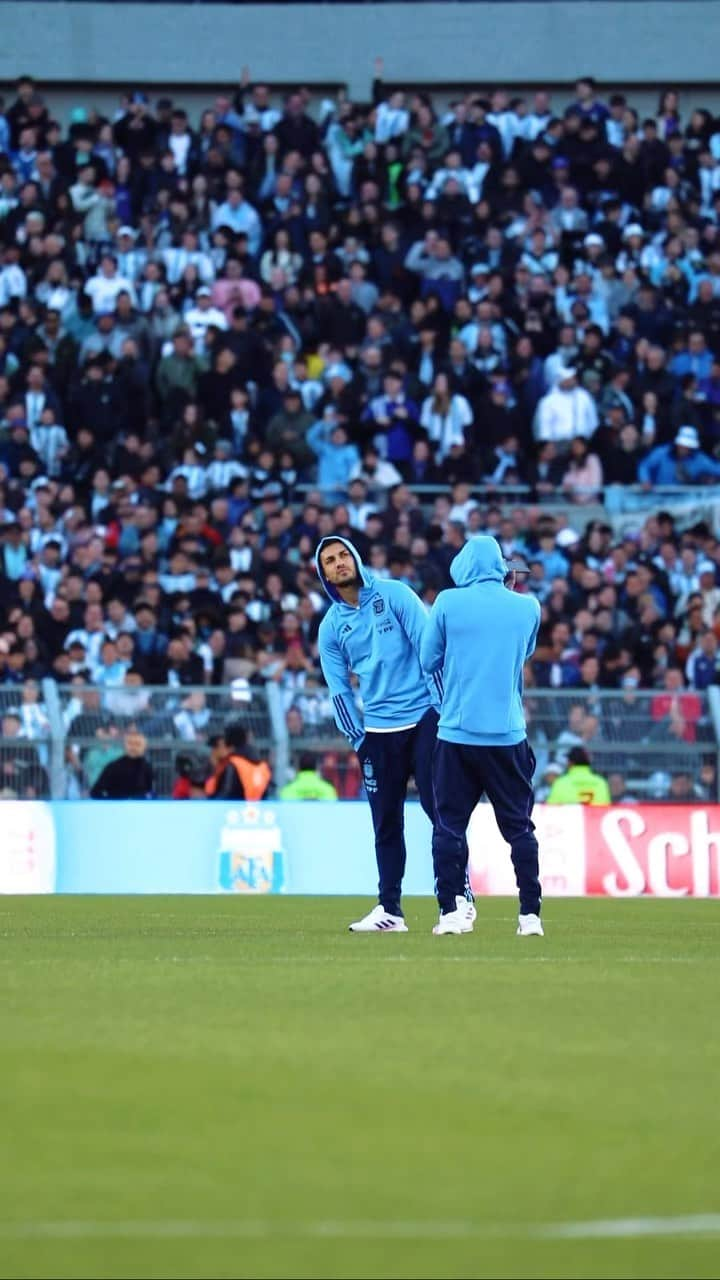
(251, 858)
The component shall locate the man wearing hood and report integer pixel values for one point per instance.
(373, 630)
(478, 638)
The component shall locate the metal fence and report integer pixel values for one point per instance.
(55, 740)
(177, 724)
(620, 506)
(650, 745)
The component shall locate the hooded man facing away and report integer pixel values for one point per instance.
(479, 637)
(373, 629)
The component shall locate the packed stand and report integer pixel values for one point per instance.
(221, 339)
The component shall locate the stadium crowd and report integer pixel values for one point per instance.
(221, 339)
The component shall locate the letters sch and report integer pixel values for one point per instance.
(669, 852)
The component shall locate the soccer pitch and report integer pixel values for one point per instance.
(237, 1087)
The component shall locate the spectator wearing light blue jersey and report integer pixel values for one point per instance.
(337, 458)
(696, 358)
(680, 463)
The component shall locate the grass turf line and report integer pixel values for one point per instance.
(246, 1060)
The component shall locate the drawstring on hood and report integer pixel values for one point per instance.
(365, 577)
(480, 560)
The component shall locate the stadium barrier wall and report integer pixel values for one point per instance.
(202, 848)
(656, 43)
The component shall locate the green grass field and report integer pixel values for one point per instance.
(235, 1087)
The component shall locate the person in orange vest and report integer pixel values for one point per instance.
(236, 774)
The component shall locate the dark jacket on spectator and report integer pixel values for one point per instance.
(128, 778)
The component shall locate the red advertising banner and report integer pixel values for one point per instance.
(667, 851)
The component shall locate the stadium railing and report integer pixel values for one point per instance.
(630, 733)
(67, 733)
(620, 506)
(175, 721)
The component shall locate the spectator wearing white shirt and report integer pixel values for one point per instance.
(539, 256)
(594, 255)
(103, 288)
(265, 117)
(38, 398)
(223, 469)
(462, 503)
(90, 636)
(446, 417)
(180, 576)
(33, 714)
(565, 412)
(311, 389)
(685, 577)
(616, 123)
(482, 166)
(257, 109)
(193, 718)
(108, 669)
(710, 592)
(192, 471)
(635, 253)
(202, 315)
(50, 442)
(377, 473)
(358, 507)
(708, 177)
(13, 281)
(392, 119)
(131, 261)
(510, 118)
(188, 253)
(452, 168)
(120, 619)
(180, 142)
(539, 118)
(568, 215)
(49, 566)
(54, 290)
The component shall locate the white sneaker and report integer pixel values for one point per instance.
(379, 921)
(466, 908)
(453, 921)
(530, 926)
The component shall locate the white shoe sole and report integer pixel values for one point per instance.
(530, 933)
(390, 928)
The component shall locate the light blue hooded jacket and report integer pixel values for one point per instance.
(379, 642)
(479, 635)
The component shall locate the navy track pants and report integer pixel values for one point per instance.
(388, 761)
(462, 774)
